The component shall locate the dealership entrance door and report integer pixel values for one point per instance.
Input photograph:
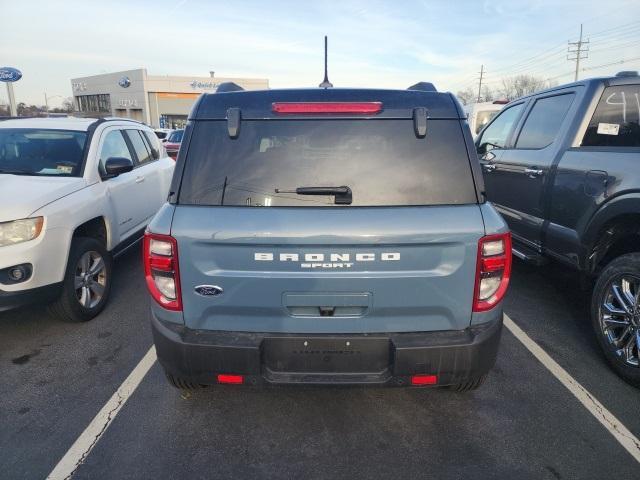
(173, 121)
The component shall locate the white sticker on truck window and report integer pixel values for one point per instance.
(608, 128)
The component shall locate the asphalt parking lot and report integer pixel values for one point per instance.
(523, 423)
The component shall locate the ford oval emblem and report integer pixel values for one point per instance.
(208, 290)
(124, 82)
(10, 74)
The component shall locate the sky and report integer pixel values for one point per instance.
(389, 44)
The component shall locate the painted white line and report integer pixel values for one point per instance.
(615, 427)
(76, 455)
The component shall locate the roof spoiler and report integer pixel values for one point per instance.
(229, 87)
(424, 87)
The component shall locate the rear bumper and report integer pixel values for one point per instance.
(377, 359)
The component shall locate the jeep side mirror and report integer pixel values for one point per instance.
(114, 166)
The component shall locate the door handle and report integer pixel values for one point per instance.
(533, 172)
(139, 179)
(488, 167)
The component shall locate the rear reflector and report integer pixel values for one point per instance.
(230, 379)
(360, 108)
(424, 379)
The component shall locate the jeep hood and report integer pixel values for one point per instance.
(20, 196)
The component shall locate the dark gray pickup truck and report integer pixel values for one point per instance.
(563, 168)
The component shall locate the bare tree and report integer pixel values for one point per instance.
(520, 85)
(466, 96)
(67, 104)
(487, 94)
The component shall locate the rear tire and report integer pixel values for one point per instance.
(181, 383)
(619, 344)
(469, 385)
(87, 282)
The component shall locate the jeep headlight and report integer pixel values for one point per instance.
(19, 231)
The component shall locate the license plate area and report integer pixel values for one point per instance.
(326, 355)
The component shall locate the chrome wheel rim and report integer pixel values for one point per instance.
(620, 318)
(90, 279)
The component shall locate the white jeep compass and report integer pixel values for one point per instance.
(73, 193)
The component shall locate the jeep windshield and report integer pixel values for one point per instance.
(26, 151)
(383, 162)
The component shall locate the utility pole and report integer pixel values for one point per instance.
(480, 83)
(575, 51)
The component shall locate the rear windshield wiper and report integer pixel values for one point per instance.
(342, 194)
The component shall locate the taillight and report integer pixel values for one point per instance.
(360, 108)
(161, 270)
(493, 271)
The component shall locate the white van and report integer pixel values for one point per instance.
(479, 114)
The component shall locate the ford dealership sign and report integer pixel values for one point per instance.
(10, 74)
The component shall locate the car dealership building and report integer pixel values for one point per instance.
(158, 100)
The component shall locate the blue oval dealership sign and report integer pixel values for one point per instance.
(10, 74)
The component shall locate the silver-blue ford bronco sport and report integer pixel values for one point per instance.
(327, 236)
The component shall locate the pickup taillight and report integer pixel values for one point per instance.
(493, 271)
(160, 256)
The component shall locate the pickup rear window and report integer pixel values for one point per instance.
(383, 162)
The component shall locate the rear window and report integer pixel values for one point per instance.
(176, 137)
(381, 161)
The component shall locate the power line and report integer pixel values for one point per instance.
(578, 48)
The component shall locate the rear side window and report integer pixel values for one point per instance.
(152, 144)
(139, 146)
(497, 134)
(544, 121)
(616, 121)
(381, 161)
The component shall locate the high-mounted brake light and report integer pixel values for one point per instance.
(160, 254)
(359, 108)
(493, 271)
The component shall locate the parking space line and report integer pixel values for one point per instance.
(629, 441)
(76, 455)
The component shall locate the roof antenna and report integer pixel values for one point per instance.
(325, 83)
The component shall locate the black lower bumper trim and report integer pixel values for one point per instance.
(379, 359)
(11, 300)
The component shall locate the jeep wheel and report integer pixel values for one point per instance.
(615, 313)
(86, 284)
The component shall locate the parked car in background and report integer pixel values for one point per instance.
(163, 133)
(480, 114)
(73, 194)
(172, 144)
(327, 236)
(563, 168)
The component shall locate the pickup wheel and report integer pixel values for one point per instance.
(87, 282)
(615, 313)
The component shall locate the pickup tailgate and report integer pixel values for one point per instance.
(328, 270)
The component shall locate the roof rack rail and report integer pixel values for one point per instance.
(229, 87)
(423, 86)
